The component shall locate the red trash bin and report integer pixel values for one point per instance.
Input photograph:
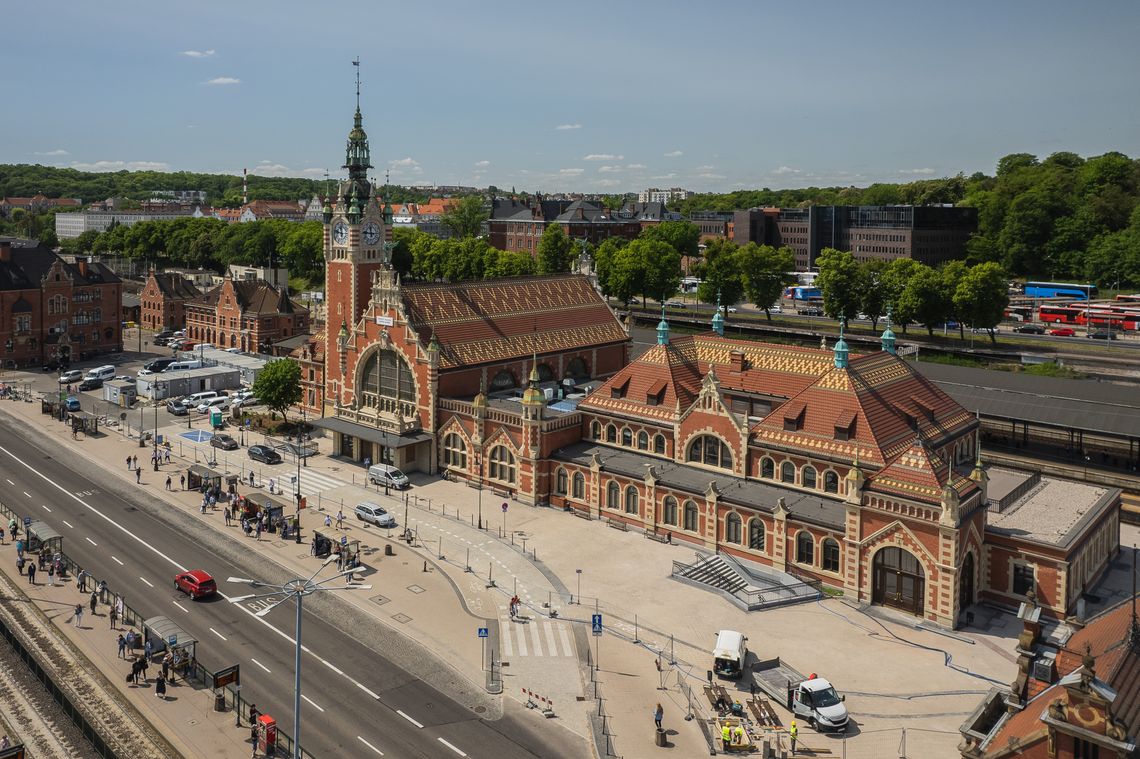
(266, 733)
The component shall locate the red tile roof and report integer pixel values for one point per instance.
(662, 372)
(501, 319)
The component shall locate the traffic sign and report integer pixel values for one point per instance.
(597, 624)
(504, 507)
(483, 632)
(27, 521)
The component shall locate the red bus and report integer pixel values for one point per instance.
(1123, 319)
(1130, 298)
(1060, 315)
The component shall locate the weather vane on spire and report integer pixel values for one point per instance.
(356, 63)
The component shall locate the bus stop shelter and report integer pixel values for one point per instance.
(42, 538)
(166, 634)
(198, 477)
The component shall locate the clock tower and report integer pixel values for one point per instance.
(354, 236)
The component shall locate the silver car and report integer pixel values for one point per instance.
(374, 513)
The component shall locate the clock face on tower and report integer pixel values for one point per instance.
(371, 233)
(340, 233)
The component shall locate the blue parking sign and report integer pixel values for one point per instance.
(597, 624)
(482, 632)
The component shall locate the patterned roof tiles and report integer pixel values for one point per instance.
(663, 373)
(502, 319)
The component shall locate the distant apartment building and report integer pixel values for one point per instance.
(274, 276)
(203, 279)
(190, 197)
(99, 218)
(163, 300)
(654, 195)
(36, 204)
(648, 213)
(713, 225)
(579, 219)
(261, 210)
(426, 217)
(928, 234)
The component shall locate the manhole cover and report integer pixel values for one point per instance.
(402, 618)
(304, 555)
(480, 709)
(415, 589)
(380, 599)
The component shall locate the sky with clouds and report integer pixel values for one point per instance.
(605, 97)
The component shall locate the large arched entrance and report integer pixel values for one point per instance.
(899, 580)
(966, 582)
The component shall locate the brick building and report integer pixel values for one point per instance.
(579, 219)
(245, 314)
(163, 300)
(51, 310)
(929, 234)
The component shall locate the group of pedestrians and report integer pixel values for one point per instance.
(513, 606)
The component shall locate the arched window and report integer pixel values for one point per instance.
(386, 375)
(732, 528)
(560, 482)
(669, 511)
(631, 500)
(710, 450)
(504, 380)
(787, 472)
(830, 482)
(659, 444)
(690, 516)
(831, 555)
(502, 465)
(578, 484)
(805, 548)
(627, 437)
(454, 451)
(611, 433)
(807, 477)
(596, 430)
(545, 373)
(577, 368)
(756, 534)
(767, 468)
(643, 440)
(613, 496)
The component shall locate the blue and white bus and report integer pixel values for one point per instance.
(1060, 290)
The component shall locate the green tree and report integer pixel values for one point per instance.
(981, 297)
(839, 283)
(924, 298)
(953, 272)
(628, 273)
(278, 384)
(722, 279)
(402, 238)
(604, 257)
(764, 271)
(555, 251)
(466, 219)
(662, 267)
(873, 290)
(683, 236)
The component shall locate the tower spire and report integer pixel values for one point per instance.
(662, 326)
(718, 317)
(840, 348)
(356, 63)
(887, 339)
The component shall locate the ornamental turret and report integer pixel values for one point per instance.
(887, 339)
(662, 328)
(841, 352)
(718, 318)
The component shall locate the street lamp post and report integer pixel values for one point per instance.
(297, 588)
(579, 573)
(189, 416)
(154, 435)
(479, 466)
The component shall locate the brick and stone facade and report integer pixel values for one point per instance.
(247, 314)
(163, 300)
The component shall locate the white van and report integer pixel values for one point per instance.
(182, 366)
(729, 654)
(388, 476)
(197, 399)
(100, 373)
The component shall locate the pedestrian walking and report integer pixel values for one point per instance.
(367, 463)
(169, 480)
(51, 575)
(339, 519)
(1, 535)
(144, 663)
(138, 476)
(254, 713)
(136, 667)
(167, 456)
(160, 687)
(122, 645)
(134, 462)
(181, 482)
(32, 572)
(94, 602)
(166, 660)
(254, 734)
(19, 547)
(202, 506)
(328, 520)
(148, 649)
(129, 467)
(258, 530)
(5, 742)
(658, 713)
(78, 615)
(793, 733)
(227, 516)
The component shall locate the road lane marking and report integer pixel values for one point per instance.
(92, 542)
(311, 701)
(180, 606)
(215, 632)
(116, 560)
(255, 661)
(68, 523)
(45, 507)
(369, 692)
(332, 666)
(148, 582)
(11, 483)
(29, 495)
(452, 746)
(369, 745)
(409, 719)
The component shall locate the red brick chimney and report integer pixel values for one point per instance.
(5, 251)
(82, 266)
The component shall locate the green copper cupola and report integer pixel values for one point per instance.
(718, 317)
(840, 348)
(662, 328)
(887, 339)
(356, 155)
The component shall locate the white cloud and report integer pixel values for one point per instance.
(706, 167)
(920, 172)
(710, 175)
(675, 154)
(570, 172)
(197, 53)
(602, 157)
(57, 151)
(404, 162)
(564, 127)
(120, 165)
(635, 166)
(482, 164)
(670, 175)
(422, 183)
(608, 169)
(266, 168)
(786, 170)
(222, 80)
(608, 182)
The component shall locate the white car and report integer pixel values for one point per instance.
(730, 309)
(72, 375)
(247, 401)
(220, 403)
(374, 513)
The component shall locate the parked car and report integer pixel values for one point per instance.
(374, 513)
(247, 401)
(195, 583)
(730, 309)
(54, 364)
(264, 454)
(810, 311)
(72, 404)
(225, 442)
(174, 406)
(220, 403)
(388, 476)
(1030, 329)
(71, 375)
(91, 383)
(165, 334)
(1103, 334)
(775, 308)
(676, 304)
(1063, 332)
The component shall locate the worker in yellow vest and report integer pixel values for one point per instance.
(738, 735)
(793, 733)
(726, 735)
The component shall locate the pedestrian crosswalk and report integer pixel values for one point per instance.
(313, 482)
(534, 637)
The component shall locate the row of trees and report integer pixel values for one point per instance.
(918, 294)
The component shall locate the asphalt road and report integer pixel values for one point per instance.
(357, 702)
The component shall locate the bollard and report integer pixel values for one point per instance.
(388, 550)
(425, 565)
